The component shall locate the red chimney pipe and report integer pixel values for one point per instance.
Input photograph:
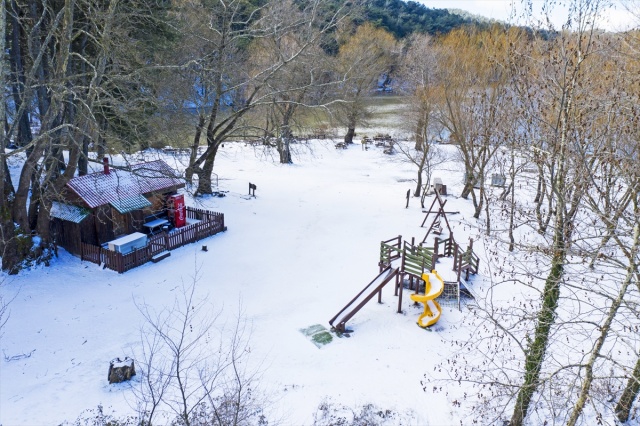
(105, 162)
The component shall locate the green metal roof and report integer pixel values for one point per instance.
(68, 212)
(125, 205)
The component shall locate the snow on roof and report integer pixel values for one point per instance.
(68, 212)
(122, 188)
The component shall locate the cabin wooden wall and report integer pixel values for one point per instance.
(66, 235)
(158, 203)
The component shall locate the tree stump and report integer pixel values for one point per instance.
(121, 370)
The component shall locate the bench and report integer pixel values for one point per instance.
(158, 257)
(156, 222)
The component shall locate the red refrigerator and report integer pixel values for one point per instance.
(177, 210)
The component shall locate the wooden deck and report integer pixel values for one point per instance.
(210, 223)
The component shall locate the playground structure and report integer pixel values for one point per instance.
(404, 262)
(432, 289)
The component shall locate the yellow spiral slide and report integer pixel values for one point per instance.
(434, 286)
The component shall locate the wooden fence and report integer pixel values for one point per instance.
(210, 223)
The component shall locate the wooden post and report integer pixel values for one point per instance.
(408, 196)
(399, 285)
(395, 293)
(434, 255)
(455, 256)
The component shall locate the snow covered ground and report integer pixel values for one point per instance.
(292, 258)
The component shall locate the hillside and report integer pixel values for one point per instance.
(403, 18)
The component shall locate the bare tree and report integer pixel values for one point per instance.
(298, 88)
(362, 59)
(194, 370)
(472, 101)
(418, 70)
(235, 88)
(566, 60)
(553, 352)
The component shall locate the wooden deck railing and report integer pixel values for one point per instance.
(210, 224)
(465, 261)
(390, 250)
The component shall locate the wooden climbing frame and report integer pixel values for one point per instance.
(436, 224)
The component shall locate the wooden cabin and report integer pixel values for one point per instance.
(102, 206)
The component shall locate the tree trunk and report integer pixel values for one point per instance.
(539, 188)
(18, 86)
(630, 393)
(512, 213)
(204, 175)
(478, 204)
(44, 220)
(487, 210)
(34, 201)
(543, 220)
(43, 97)
(420, 132)
(8, 249)
(188, 173)
(468, 184)
(284, 150)
(512, 201)
(418, 190)
(19, 208)
(351, 131)
(83, 160)
(538, 347)
(7, 186)
(284, 141)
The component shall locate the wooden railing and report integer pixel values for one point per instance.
(210, 224)
(447, 246)
(465, 261)
(390, 250)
